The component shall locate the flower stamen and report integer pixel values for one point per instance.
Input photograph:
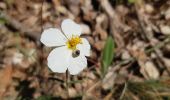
(72, 43)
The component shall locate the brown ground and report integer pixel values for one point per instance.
(140, 69)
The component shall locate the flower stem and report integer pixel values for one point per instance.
(67, 85)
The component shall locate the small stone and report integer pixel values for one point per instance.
(165, 29)
(125, 55)
(149, 8)
(167, 47)
(153, 56)
(17, 58)
(151, 70)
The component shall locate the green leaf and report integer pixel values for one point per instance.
(75, 81)
(107, 55)
(132, 1)
(44, 97)
(2, 21)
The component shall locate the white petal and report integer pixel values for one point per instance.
(77, 64)
(58, 59)
(52, 37)
(69, 27)
(84, 47)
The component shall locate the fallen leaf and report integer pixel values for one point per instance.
(6, 78)
(165, 29)
(109, 80)
(151, 70)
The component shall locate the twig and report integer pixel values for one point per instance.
(67, 84)
(41, 12)
(123, 92)
(142, 20)
(163, 94)
(115, 23)
(159, 45)
(16, 25)
(94, 62)
(91, 88)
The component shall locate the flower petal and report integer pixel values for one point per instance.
(84, 47)
(52, 37)
(69, 27)
(77, 64)
(58, 59)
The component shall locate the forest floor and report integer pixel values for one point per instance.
(140, 69)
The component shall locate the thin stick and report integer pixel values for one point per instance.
(67, 85)
(41, 17)
(123, 92)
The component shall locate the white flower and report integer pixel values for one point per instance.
(71, 51)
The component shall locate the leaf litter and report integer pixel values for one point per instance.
(140, 68)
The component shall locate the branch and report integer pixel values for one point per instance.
(14, 24)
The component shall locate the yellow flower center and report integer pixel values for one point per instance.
(72, 43)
